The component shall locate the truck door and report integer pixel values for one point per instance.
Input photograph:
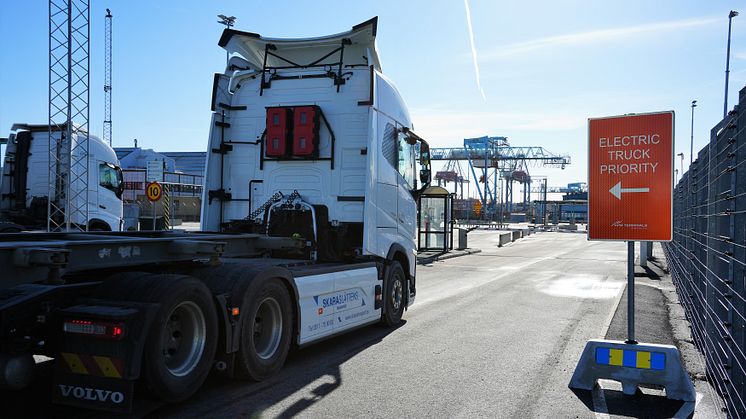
(381, 191)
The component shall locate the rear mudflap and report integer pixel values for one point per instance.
(99, 372)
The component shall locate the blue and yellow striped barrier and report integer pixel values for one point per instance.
(630, 358)
(633, 365)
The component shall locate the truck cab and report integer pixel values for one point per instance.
(310, 139)
(25, 185)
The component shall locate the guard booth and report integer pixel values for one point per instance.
(435, 220)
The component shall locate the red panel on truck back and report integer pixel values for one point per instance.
(278, 132)
(306, 131)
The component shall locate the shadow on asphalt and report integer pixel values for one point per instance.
(649, 273)
(636, 406)
(246, 398)
(318, 362)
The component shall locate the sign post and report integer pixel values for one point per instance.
(630, 185)
(154, 192)
(630, 191)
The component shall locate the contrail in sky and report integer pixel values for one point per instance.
(473, 50)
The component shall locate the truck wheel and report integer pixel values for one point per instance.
(393, 296)
(6, 227)
(266, 330)
(181, 342)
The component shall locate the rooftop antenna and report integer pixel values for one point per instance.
(107, 79)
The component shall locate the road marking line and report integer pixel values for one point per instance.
(687, 409)
(600, 410)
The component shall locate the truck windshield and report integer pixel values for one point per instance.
(110, 177)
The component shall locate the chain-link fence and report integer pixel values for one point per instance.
(707, 256)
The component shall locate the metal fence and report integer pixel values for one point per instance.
(184, 194)
(707, 257)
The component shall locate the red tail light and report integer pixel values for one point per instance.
(306, 131)
(107, 330)
(278, 132)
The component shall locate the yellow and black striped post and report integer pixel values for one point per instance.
(166, 206)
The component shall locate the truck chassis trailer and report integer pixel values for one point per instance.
(166, 308)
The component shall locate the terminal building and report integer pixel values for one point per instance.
(183, 178)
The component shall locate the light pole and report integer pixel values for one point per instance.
(682, 163)
(229, 21)
(676, 174)
(731, 15)
(691, 144)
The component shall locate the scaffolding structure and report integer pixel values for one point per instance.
(69, 95)
(107, 79)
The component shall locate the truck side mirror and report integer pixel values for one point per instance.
(425, 176)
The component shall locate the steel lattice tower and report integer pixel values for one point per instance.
(69, 94)
(107, 80)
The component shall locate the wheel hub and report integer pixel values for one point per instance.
(267, 328)
(397, 293)
(183, 338)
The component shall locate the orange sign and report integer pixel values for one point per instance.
(630, 177)
(477, 207)
(154, 191)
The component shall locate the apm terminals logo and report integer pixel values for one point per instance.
(632, 226)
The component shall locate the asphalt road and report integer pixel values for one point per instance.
(496, 334)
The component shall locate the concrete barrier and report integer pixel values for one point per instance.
(504, 238)
(516, 234)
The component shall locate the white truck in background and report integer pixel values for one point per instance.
(309, 227)
(24, 186)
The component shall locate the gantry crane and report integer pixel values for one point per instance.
(499, 162)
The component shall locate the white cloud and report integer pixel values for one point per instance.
(447, 128)
(602, 35)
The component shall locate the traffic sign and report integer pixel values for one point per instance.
(154, 171)
(630, 177)
(477, 207)
(154, 191)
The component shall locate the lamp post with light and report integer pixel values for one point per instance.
(731, 15)
(682, 163)
(691, 144)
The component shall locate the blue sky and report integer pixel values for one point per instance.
(545, 66)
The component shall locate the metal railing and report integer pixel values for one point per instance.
(707, 257)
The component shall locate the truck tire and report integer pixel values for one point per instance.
(6, 227)
(266, 329)
(393, 295)
(181, 342)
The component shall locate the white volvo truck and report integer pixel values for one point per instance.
(308, 225)
(24, 186)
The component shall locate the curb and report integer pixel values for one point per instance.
(431, 259)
